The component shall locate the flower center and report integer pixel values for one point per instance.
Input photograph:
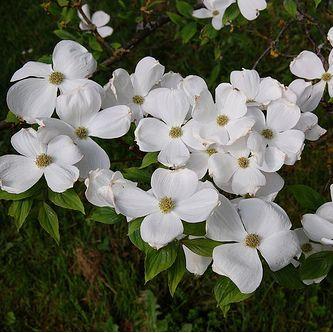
(326, 77)
(56, 78)
(243, 162)
(307, 247)
(252, 240)
(211, 151)
(43, 160)
(222, 120)
(138, 99)
(166, 205)
(215, 13)
(175, 132)
(81, 132)
(267, 134)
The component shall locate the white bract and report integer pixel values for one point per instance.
(330, 36)
(99, 20)
(175, 196)
(195, 263)
(36, 94)
(257, 226)
(81, 119)
(319, 226)
(132, 90)
(54, 160)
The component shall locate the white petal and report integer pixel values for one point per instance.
(217, 21)
(26, 143)
(70, 85)
(247, 81)
(52, 127)
(197, 207)
(32, 68)
(171, 80)
(176, 184)
(269, 90)
(85, 9)
(202, 13)
(18, 173)
(145, 134)
(192, 86)
(315, 133)
(222, 167)
(60, 178)
(32, 98)
(63, 150)
(247, 180)
(279, 249)
(224, 224)
(250, 9)
(160, 229)
(258, 116)
(105, 31)
(307, 65)
(204, 109)
(238, 128)
(273, 159)
(290, 142)
(134, 202)
(100, 18)
(175, 153)
(263, 218)
(79, 107)
(121, 82)
(196, 264)
(148, 72)
(239, 263)
(326, 211)
(94, 157)
(73, 60)
(198, 162)
(111, 123)
(274, 184)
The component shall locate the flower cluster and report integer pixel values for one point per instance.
(208, 148)
(215, 9)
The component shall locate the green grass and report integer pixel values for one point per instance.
(94, 279)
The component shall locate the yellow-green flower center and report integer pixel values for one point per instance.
(267, 133)
(175, 132)
(326, 77)
(215, 13)
(166, 205)
(211, 151)
(222, 120)
(81, 132)
(243, 162)
(56, 78)
(138, 99)
(307, 247)
(43, 160)
(252, 240)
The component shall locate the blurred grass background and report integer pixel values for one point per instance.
(94, 279)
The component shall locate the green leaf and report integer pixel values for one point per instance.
(194, 229)
(176, 271)
(184, 8)
(316, 265)
(175, 18)
(201, 246)
(188, 31)
(149, 159)
(317, 2)
(288, 277)
(62, 2)
(27, 194)
(106, 215)
(11, 118)
(231, 14)
(20, 210)
(94, 45)
(137, 175)
(68, 199)
(291, 7)
(63, 34)
(157, 261)
(48, 220)
(135, 236)
(307, 197)
(226, 293)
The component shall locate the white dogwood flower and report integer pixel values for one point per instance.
(214, 9)
(99, 19)
(308, 65)
(257, 226)
(103, 185)
(35, 95)
(54, 160)
(223, 122)
(165, 132)
(132, 90)
(81, 119)
(250, 9)
(176, 195)
(319, 226)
